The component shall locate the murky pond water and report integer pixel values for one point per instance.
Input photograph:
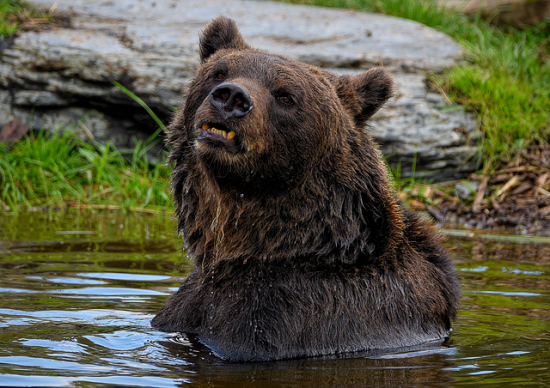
(77, 293)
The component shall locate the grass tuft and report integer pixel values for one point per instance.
(55, 170)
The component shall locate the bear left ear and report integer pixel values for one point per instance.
(220, 33)
(365, 93)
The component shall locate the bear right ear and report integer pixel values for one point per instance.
(364, 94)
(221, 33)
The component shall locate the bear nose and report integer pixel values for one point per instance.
(231, 100)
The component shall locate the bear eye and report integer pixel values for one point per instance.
(220, 76)
(286, 99)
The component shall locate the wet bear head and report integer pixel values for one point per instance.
(259, 121)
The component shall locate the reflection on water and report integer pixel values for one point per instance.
(77, 293)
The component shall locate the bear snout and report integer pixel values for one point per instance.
(231, 101)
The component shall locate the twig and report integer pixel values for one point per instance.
(541, 180)
(514, 169)
(544, 211)
(509, 238)
(480, 194)
(511, 183)
(113, 207)
(534, 158)
(448, 183)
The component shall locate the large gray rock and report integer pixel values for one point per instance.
(151, 48)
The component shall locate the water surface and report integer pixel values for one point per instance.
(77, 292)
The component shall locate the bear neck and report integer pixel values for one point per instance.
(333, 219)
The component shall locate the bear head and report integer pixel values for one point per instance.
(259, 119)
(261, 134)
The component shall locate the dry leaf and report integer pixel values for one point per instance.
(417, 205)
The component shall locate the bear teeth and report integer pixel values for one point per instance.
(228, 136)
(219, 132)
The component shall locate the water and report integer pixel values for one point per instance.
(77, 293)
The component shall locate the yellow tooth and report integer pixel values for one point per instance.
(229, 135)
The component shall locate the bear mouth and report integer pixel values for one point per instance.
(217, 134)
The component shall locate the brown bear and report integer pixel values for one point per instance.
(285, 204)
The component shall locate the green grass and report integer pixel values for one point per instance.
(44, 170)
(506, 79)
(8, 19)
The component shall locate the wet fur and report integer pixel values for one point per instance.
(300, 246)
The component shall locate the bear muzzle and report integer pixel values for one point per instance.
(229, 104)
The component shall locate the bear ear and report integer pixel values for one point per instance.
(220, 33)
(365, 93)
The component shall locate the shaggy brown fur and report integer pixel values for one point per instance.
(301, 247)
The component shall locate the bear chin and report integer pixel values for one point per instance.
(299, 243)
